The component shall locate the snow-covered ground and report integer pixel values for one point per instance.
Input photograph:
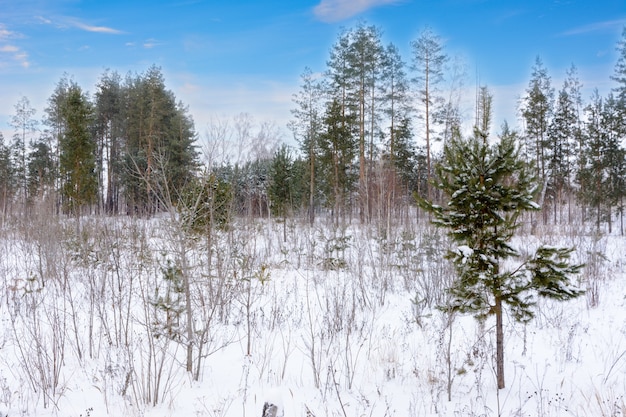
(332, 322)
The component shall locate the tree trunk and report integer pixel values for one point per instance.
(621, 215)
(499, 343)
(363, 195)
(312, 184)
(428, 172)
(188, 307)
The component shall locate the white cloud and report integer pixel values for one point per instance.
(147, 44)
(14, 53)
(22, 59)
(4, 34)
(44, 20)
(9, 48)
(7, 34)
(151, 43)
(266, 100)
(96, 29)
(65, 22)
(595, 27)
(13, 56)
(337, 10)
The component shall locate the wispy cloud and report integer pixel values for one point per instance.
(151, 43)
(9, 48)
(11, 54)
(4, 34)
(337, 10)
(96, 29)
(595, 27)
(65, 22)
(147, 44)
(43, 20)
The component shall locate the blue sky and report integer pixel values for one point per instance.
(226, 57)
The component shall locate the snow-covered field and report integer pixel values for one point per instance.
(332, 322)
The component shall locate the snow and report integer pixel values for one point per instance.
(465, 252)
(363, 328)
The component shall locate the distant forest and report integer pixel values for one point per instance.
(367, 129)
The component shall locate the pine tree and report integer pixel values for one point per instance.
(399, 150)
(25, 125)
(484, 101)
(40, 168)
(615, 158)
(365, 55)
(601, 176)
(337, 145)
(159, 156)
(306, 126)
(280, 185)
(537, 112)
(562, 141)
(429, 59)
(619, 74)
(353, 76)
(6, 179)
(77, 153)
(488, 188)
(450, 114)
(110, 128)
(573, 88)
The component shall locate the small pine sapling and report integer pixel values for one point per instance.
(488, 188)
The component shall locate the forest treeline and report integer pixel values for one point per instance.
(366, 128)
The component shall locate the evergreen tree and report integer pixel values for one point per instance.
(281, 185)
(6, 179)
(365, 58)
(484, 101)
(537, 112)
(399, 150)
(488, 187)
(77, 152)
(256, 182)
(615, 159)
(299, 186)
(110, 128)
(205, 204)
(450, 113)
(337, 144)
(353, 76)
(601, 176)
(573, 87)
(306, 126)
(562, 142)
(405, 159)
(619, 74)
(429, 60)
(24, 124)
(338, 75)
(40, 167)
(56, 126)
(159, 156)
